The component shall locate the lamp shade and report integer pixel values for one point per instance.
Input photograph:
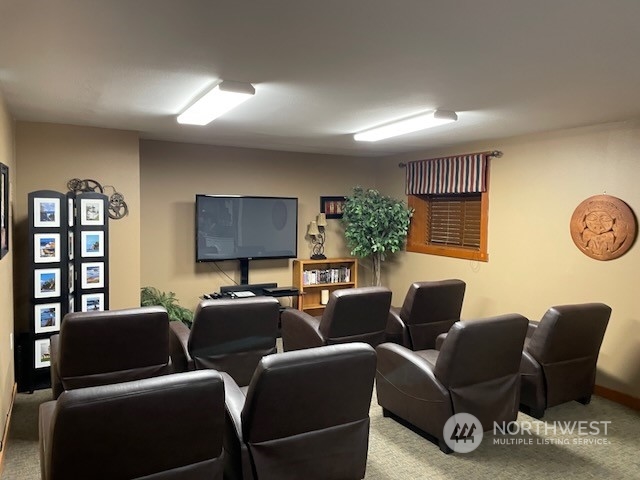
(313, 229)
(322, 220)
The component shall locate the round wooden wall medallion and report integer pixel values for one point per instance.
(603, 227)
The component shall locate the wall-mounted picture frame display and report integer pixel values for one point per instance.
(46, 212)
(93, 302)
(92, 244)
(70, 248)
(332, 207)
(47, 317)
(91, 212)
(46, 247)
(71, 215)
(4, 210)
(47, 282)
(92, 275)
(42, 350)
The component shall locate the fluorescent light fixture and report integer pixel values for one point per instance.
(408, 125)
(222, 98)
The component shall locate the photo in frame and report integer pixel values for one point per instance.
(46, 247)
(92, 244)
(47, 317)
(47, 282)
(93, 302)
(332, 207)
(92, 275)
(4, 210)
(42, 350)
(91, 211)
(46, 212)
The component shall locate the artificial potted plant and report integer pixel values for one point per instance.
(151, 296)
(375, 225)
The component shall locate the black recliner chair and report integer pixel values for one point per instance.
(229, 335)
(560, 356)
(305, 415)
(163, 428)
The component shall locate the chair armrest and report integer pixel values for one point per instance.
(178, 339)
(533, 325)
(46, 410)
(300, 330)
(396, 330)
(410, 373)
(440, 340)
(234, 400)
(56, 381)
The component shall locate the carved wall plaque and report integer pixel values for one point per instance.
(603, 227)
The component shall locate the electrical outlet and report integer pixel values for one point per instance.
(11, 340)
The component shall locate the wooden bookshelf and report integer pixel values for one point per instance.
(310, 277)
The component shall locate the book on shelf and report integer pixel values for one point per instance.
(326, 275)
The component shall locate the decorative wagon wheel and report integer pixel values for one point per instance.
(87, 185)
(117, 206)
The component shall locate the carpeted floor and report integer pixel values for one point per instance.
(396, 452)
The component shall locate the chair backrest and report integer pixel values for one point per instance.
(356, 315)
(430, 308)
(232, 335)
(479, 363)
(307, 411)
(158, 428)
(566, 343)
(99, 348)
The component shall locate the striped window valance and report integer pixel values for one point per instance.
(461, 174)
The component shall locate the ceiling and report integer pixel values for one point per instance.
(323, 70)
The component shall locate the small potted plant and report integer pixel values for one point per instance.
(151, 296)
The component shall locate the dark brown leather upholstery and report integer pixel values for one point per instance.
(305, 416)
(100, 348)
(429, 309)
(352, 315)
(163, 428)
(476, 371)
(229, 335)
(560, 356)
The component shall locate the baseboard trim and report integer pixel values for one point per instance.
(5, 434)
(618, 397)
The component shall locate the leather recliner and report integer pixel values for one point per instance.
(100, 348)
(162, 428)
(560, 356)
(351, 315)
(476, 371)
(229, 335)
(429, 309)
(305, 415)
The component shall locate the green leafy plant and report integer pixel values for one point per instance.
(375, 225)
(151, 296)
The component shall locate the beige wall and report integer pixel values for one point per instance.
(172, 174)
(533, 263)
(6, 274)
(48, 155)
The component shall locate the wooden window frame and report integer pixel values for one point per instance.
(417, 239)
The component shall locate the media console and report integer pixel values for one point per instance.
(254, 289)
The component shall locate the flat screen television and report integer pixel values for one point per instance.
(230, 227)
